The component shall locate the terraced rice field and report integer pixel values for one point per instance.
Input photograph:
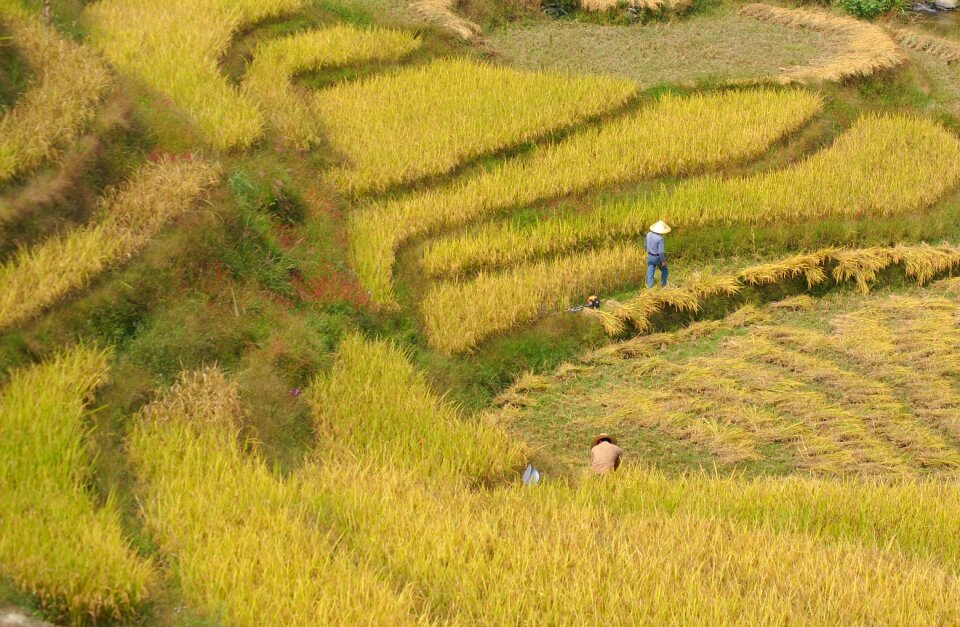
(866, 389)
(59, 543)
(68, 83)
(276, 62)
(174, 48)
(671, 136)
(133, 214)
(861, 174)
(228, 430)
(424, 121)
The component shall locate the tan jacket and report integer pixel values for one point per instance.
(605, 457)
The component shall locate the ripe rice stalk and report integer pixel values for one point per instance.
(269, 78)
(457, 315)
(58, 544)
(867, 50)
(375, 403)
(68, 84)
(238, 541)
(641, 308)
(946, 50)
(472, 553)
(674, 135)
(174, 48)
(423, 121)
(910, 516)
(611, 322)
(443, 13)
(133, 214)
(870, 400)
(861, 174)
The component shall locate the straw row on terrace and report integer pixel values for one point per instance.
(671, 136)
(132, 215)
(459, 315)
(860, 175)
(866, 50)
(57, 544)
(174, 48)
(875, 395)
(68, 82)
(269, 78)
(424, 121)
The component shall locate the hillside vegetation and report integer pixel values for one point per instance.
(288, 304)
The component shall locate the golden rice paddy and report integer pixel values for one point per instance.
(671, 136)
(424, 121)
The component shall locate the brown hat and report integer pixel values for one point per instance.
(601, 437)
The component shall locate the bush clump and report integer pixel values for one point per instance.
(867, 9)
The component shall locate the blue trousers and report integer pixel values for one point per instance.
(653, 262)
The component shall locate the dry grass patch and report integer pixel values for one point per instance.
(57, 543)
(269, 78)
(674, 135)
(174, 48)
(132, 215)
(69, 82)
(861, 174)
(423, 121)
(724, 47)
(866, 49)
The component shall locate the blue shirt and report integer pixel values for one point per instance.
(654, 245)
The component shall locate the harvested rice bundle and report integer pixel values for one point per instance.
(69, 81)
(868, 48)
(946, 50)
(443, 13)
(275, 62)
(647, 5)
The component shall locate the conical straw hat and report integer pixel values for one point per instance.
(603, 436)
(660, 228)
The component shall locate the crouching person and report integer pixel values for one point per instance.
(604, 454)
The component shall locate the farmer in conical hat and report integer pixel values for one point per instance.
(604, 454)
(656, 256)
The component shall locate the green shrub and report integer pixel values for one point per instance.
(868, 8)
